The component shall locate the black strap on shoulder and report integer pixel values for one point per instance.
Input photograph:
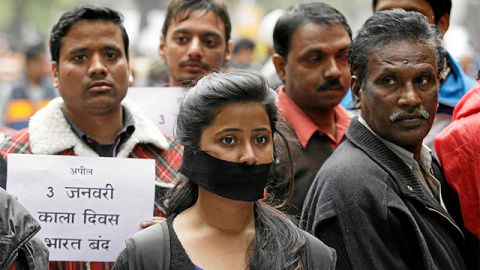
(321, 256)
(150, 248)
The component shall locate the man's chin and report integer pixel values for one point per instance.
(409, 140)
(191, 79)
(100, 109)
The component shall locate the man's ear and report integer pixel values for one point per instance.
(161, 47)
(54, 70)
(228, 52)
(280, 63)
(443, 23)
(130, 75)
(357, 90)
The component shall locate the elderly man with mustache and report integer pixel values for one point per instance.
(381, 200)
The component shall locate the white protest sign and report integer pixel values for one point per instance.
(160, 104)
(86, 206)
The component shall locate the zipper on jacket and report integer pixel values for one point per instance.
(451, 221)
(21, 245)
(12, 261)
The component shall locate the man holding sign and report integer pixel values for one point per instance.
(89, 48)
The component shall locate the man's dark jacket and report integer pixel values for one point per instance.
(367, 204)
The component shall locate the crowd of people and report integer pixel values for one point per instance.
(365, 157)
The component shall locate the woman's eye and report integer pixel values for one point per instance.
(260, 140)
(228, 140)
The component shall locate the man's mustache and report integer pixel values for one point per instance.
(409, 113)
(198, 62)
(328, 84)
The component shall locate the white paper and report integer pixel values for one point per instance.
(160, 104)
(86, 206)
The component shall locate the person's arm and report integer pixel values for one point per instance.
(122, 261)
(329, 232)
(3, 173)
(18, 223)
(7, 132)
(153, 221)
(458, 150)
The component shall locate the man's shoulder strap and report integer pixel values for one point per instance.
(320, 255)
(150, 248)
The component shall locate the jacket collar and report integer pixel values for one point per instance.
(407, 183)
(372, 146)
(50, 132)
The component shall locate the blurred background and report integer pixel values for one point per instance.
(24, 23)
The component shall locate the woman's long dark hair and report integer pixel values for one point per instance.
(275, 232)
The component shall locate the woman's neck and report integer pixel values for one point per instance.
(229, 216)
(215, 232)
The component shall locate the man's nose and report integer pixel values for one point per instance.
(195, 51)
(331, 69)
(97, 66)
(409, 96)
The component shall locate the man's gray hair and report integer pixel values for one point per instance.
(386, 27)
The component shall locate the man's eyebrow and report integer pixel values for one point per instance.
(212, 33)
(181, 31)
(112, 47)
(389, 70)
(314, 50)
(77, 50)
(427, 70)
